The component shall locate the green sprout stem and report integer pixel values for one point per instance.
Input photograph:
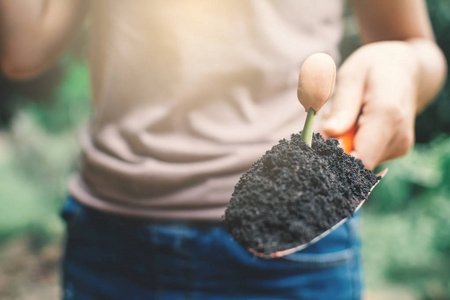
(309, 126)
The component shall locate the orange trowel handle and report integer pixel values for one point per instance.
(346, 140)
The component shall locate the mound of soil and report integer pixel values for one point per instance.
(294, 193)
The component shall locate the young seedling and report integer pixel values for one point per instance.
(315, 87)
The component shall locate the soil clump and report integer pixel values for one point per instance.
(294, 193)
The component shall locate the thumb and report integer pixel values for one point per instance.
(347, 101)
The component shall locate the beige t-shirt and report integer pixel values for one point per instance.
(188, 94)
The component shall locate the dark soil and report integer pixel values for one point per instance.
(294, 193)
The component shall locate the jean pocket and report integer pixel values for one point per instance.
(321, 260)
(339, 247)
(71, 212)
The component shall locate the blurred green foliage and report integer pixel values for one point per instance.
(39, 151)
(70, 106)
(406, 223)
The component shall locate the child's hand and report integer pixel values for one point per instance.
(380, 81)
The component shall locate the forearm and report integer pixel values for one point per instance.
(432, 70)
(406, 21)
(35, 33)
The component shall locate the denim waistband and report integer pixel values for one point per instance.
(72, 206)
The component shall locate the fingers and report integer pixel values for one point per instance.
(376, 88)
(347, 99)
(386, 125)
(376, 142)
(370, 140)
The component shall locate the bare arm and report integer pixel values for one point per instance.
(391, 78)
(35, 33)
(405, 20)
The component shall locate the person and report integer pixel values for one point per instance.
(187, 95)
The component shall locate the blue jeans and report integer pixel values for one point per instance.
(110, 257)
